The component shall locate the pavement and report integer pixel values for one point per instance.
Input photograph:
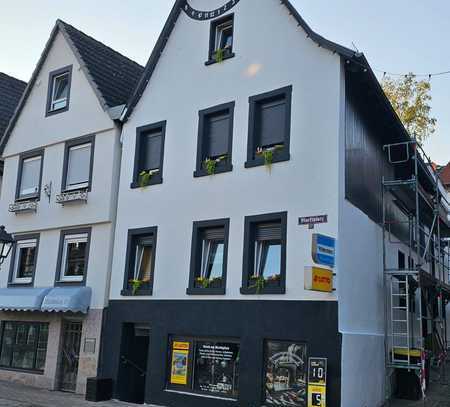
(438, 394)
(18, 395)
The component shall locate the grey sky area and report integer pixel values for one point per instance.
(397, 36)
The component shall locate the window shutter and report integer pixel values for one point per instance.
(214, 234)
(272, 122)
(151, 151)
(270, 231)
(217, 132)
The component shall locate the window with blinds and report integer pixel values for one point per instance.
(140, 261)
(264, 263)
(30, 176)
(215, 137)
(149, 154)
(269, 126)
(209, 257)
(78, 164)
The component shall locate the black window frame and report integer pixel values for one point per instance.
(63, 234)
(14, 253)
(254, 101)
(212, 39)
(24, 156)
(203, 115)
(140, 133)
(132, 240)
(74, 143)
(16, 323)
(248, 258)
(193, 340)
(196, 256)
(58, 72)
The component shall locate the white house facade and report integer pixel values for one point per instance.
(248, 234)
(62, 156)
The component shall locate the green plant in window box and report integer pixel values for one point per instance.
(207, 282)
(219, 55)
(210, 164)
(146, 176)
(136, 285)
(259, 283)
(267, 153)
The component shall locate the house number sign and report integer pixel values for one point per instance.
(208, 15)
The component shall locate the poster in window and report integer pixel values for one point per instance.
(217, 368)
(180, 360)
(286, 374)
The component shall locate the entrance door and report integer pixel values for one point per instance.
(133, 363)
(70, 355)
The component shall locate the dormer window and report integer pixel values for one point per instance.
(59, 90)
(221, 40)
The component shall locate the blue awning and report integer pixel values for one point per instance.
(68, 299)
(22, 299)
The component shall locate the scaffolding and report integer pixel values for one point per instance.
(416, 232)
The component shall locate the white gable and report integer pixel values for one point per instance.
(85, 115)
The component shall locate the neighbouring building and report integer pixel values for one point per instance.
(11, 90)
(251, 178)
(444, 173)
(61, 153)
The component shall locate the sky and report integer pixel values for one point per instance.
(397, 36)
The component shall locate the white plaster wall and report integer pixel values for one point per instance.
(33, 130)
(266, 59)
(97, 272)
(361, 308)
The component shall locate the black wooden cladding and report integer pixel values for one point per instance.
(365, 161)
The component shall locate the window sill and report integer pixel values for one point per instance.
(141, 293)
(205, 291)
(57, 111)
(219, 170)
(24, 284)
(154, 181)
(25, 198)
(74, 283)
(265, 291)
(225, 57)
(259, 161)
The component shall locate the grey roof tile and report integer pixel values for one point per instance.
(11, 90)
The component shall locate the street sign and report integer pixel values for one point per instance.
(310, 221)
(324, 250)
(317, 382)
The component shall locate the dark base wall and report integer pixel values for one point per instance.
(252, 322)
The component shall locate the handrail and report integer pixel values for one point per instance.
(126, 361)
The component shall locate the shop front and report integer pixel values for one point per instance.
(236, 353)
(48, 337)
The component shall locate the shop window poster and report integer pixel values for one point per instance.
(180, 360)
(216, 368)
(286, 374)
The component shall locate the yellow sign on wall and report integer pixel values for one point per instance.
(318, 279)
(316, 396)
(180, 359)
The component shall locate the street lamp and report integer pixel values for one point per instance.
(6, 244)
